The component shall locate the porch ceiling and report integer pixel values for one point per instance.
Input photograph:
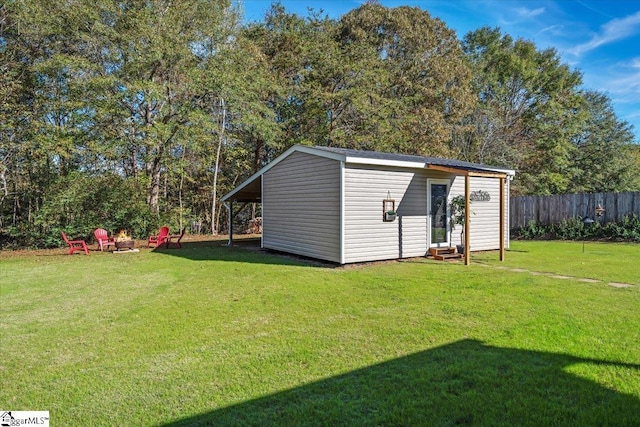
(251, 192)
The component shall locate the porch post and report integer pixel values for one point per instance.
(230, 224)
(502, 215)
(467, 219)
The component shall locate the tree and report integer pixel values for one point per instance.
(171, 104)
(107, 86)
(605, 145)
(529, 110)
(158, 59)
(284, 41)
(388, 79)
(414, 76)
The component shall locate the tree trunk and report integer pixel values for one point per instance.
(214, 229)
(181, 189)
(154, 188)
(257, 154)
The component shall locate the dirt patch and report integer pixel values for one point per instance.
(619, 285)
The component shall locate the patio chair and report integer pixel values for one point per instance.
(169, 243)
(160, 238)
(103, 238)
(75, 245)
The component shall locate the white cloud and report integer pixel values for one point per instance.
(513, 16)
(629, 84)
(555, 30)
(626, 81)
(525, 12)
(616, 29)
(620, 80)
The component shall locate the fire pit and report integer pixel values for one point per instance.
(126, 244)
(123, 241)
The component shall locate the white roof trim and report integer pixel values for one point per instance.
(509, 172)
(321, 153)
(382, 162)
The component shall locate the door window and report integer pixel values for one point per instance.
(439, 213)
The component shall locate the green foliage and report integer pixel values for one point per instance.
(413, 84)
(458, 210)
(628, 229)
(604, 158)
(575, 229)
(531, 231)
(533, 116)
(79, 203)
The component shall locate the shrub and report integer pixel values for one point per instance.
(531, 231)
(574, 229)
(571, 229)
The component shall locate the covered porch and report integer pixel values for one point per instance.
(468, 173)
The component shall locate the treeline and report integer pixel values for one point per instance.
(136, 113)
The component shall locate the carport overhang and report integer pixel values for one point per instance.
(250, 191)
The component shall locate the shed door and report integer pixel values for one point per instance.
(439, 232)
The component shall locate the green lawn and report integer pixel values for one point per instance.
(619, 262)
(208, 335)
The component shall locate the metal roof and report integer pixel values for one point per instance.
(394, 157)
(250, 190)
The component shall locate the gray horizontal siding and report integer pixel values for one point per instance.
(485, 216)
(301, 207)
(367, 236)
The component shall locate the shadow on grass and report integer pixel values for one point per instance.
(463, 383)
(243, 250)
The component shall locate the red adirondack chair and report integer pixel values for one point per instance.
(161, 238)
(170, 240)
(75, 245)
(103, 238)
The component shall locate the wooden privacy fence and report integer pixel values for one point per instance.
(553, 209)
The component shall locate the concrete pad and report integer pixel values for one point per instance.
(556, 276)
(518, 270)
(589, 280)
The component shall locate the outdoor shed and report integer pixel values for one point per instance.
(333, 204)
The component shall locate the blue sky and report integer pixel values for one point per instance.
(601, 38)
